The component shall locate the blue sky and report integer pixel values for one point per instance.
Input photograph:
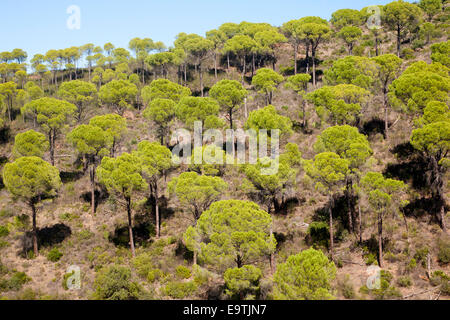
(39, 25)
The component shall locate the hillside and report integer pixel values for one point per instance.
(364, 122)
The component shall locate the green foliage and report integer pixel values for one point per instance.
(91, 141)
(319, 233)
(444, 251)
(305, 276)
(404, 281)
(54, 255)
(29, 178)
(381, 190)
(114, 124)
(269, 119)
(183, 272)
(359, 71)
(122, 175)
(30, 144)
(164, 89)
(242, 281)
(386, 290)
(197, 192)
(418, 85)
(433, 139)
(161, 112)
(4, 231)
(115, 283)
(346, 17)
(347, 142)
(231, 232)
(230, 94)
(327, 170)
(431, 7)
(266, 82)
(350, 34)
(154, 159)
(191, 109)
(440, 53)
(341, 104)
(119, 94)
(180, 290)
(78, 92)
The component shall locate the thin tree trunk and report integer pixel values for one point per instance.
(295, 57)
(201, 78)
(360, 222)
(52, 147)
(398, 41)
(92, 175)
(330, 212)
(386, 114)
(228, 62)
(380, 239)
(349, 205)
(158, 227)
(35, 242)
(130, 226)
(215, 64)
(314, 66)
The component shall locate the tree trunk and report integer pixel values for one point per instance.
(349, 205)
(228, 62)
(92, 175)
(195, 258)
(253, 64)
(314, 66)
(215, 64)
(52, 147)
(307, 56)
(158, 227)
(272, 257)
(35, 242)
(295, 57)
(386, 113)
(376, 45)
(330, 212)
(380, 239)
(360, 222)
(243, 69)
(201, 78)
(230, 113)
(130, 226)
(398, 41)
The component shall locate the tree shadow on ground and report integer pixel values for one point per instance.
(411, 167)
(373, 127)
(143, 231)
(100, 197)
(47, 237)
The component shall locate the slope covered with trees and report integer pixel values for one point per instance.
(362, 105)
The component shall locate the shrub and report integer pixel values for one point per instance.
(154, 274)
(444, 251)
(180, 290)
(404, 281)
(421, 255)
(183, 272)
(386, 291)
(346, 288)
(241, 282)
(115, 283)
(307, 275)
(3, 231)
(17, 280)
(319, 233)
(143, 264)
(54, 255)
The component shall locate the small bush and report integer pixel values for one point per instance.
(115, 283)
(17, 280)
(54, 255)
(319, 233)
(183, 272)
(404, 281)
(4, 231)
(346, 288)
(180, 290)
(444, 251)
(154, 274)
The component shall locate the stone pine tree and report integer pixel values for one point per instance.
(80, 93)
(401, 17)
(266, 82)
(114, 125)
(155, 161)
(93, 143)
(30, 179)
(328, 170)
(382, 194)
(305, 276)
(122, 176)
(230, 94)
(388, 70)
(53, 116)
(231, 233)
(433, 142)
(299, 84)
(349, 144)
(30, 144)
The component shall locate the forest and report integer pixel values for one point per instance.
(93, 205)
